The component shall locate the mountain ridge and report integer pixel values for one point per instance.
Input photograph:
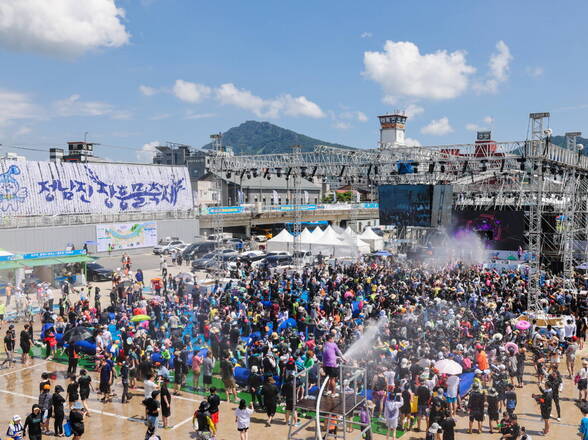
(254, 137)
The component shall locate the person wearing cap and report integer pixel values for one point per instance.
(434, 432)
(57, 402)
(476, 408)
(9, 344)
(492, 399)
(46, 404)
(15, 429)
(202, 421)
(33, 423)
(76, 420)
(254, 383)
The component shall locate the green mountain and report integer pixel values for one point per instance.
(253, 137)
(561, 141)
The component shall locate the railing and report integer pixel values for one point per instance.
(7, 222)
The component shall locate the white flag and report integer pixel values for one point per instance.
(306, 197)
(275, 197)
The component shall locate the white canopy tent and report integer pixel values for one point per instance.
(374, 240)
(281, 242)
(306, 240)
(317, 233)
(353, 246)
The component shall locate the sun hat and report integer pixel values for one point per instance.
(434, 428)
(16, 418)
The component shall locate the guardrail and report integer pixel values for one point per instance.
(7, 222)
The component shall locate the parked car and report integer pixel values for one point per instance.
(97, 272)
(200, 263)
(260, 238)
(197, 250)
(253, 258)
(235, 243)
(166, 247)
(277, 261)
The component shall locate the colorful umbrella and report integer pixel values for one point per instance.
(139, 318)
(448, 366)
(523, 325)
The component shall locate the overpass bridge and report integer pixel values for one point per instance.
(249, 217)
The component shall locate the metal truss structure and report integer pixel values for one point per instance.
(549, 183)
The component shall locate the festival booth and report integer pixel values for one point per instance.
(317, 233)
(374, 240)
(281, 242)
(354, 246)
(329, 243)
(307, 240)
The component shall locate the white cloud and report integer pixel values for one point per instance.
(402, 71)
(410, 142)
(268, 108)
(342, 125)
(367, 35)
(74, 106)
(61, 27)
(534, 72)
(23, 131)
(190, 92)
(438, 127)
(16, 106)
(487, 120)
(190, 115)
(499, 65)
(352, 115)
(413, 110)
(147, 90)
(147, 151)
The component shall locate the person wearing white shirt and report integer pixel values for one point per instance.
(569, 328)
(452, 392)
(583, 382)
(243, 419)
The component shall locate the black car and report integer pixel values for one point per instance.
(97, 272)
(197, 250)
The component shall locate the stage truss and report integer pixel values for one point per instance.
(532, 175)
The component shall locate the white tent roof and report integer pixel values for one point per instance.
(4, 253)
(368, 234)
(317, 233)
(330, 238)
(283, 237)
(307, 237)
(350, 232)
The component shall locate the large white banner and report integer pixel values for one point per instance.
(126, 235)
(54, 188)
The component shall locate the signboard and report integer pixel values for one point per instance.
(126, 235)
(294, 207)
(34, 255)
(225, 210)
(56, 188)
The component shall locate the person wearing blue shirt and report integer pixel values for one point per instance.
(583, 430)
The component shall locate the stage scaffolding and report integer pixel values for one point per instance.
(534, 175)
(327, 411)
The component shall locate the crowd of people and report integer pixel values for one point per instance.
(276, 323)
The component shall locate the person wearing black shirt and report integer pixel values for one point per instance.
(476, 408)
(73, 394)
(72, 356)
(33, 423)
(448, 427)
(124, 375)
(85, 384)
(9, 343)
(270, 399)
(254, 383)
(152, 411)
(424, 394)
(214, 402)
(25, 343)
(165, 398)
(58, 412)
(228, 377)
(554, 382)
(76, 420)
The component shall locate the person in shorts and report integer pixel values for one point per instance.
(243, 419)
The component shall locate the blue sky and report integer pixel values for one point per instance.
(179, 70)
